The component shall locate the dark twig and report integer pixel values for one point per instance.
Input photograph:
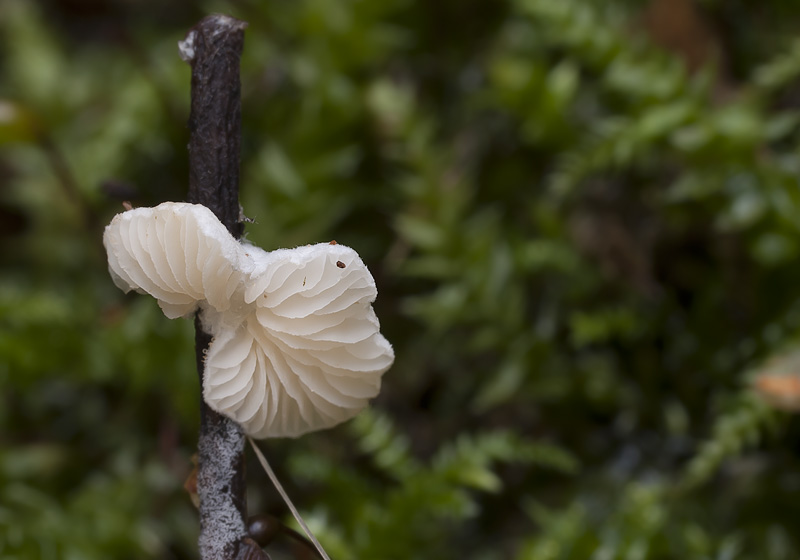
(213, 48)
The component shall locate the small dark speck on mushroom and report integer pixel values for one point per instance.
(340, 264)
(304, 280)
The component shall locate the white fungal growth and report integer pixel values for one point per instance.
(296, 344)
(186, 47)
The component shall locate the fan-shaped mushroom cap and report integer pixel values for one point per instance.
(310, 355)
(178, 253)
(296, 344)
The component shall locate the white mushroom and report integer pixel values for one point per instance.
(296, 344)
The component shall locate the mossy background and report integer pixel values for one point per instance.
(583, 217)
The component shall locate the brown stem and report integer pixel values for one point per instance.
(213, 48)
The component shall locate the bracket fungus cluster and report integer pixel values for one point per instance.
(296, 344)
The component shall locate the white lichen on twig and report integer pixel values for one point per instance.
(220, 462)
(186, 47)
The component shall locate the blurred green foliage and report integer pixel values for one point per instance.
(582, 217)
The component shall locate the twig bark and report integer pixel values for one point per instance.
(213, 48)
